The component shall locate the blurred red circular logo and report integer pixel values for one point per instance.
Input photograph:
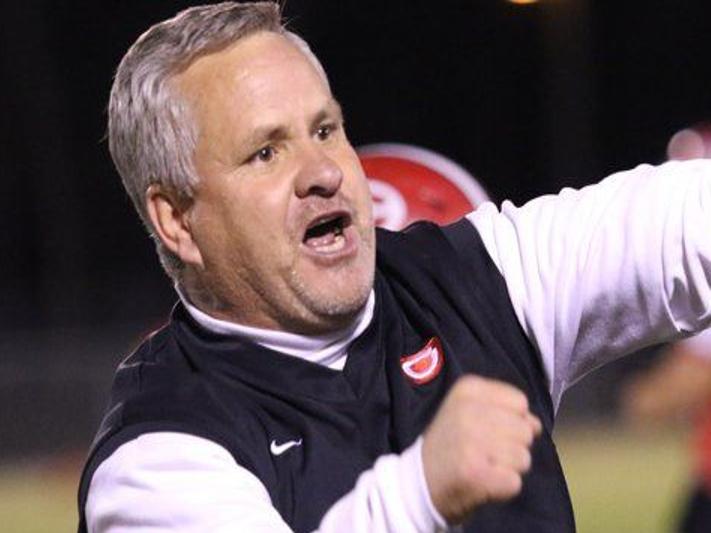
(410, 183)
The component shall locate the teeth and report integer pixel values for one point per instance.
(337, 244)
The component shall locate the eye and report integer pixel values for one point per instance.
(263, 155)
(325, 131)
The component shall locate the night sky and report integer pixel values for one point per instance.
(528, 98)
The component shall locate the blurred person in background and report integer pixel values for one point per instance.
(678, 386)
(319, 374)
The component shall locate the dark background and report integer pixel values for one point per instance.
(529, 98)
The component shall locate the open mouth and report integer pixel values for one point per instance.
(325, 234)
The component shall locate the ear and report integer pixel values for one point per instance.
(171, 221)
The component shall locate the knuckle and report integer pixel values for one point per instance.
(505, 486)
(515, 484)
(526, 461)
(536, 425)
(509, 396)
(528, 434)
(519, 400)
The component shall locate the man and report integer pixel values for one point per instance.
(304, 381)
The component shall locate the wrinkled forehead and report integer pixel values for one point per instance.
(264, 82)
(256, 66)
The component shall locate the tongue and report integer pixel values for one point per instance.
(321, 240)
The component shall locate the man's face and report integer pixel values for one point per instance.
(282, 215)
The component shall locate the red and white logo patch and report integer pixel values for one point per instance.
(423, 366)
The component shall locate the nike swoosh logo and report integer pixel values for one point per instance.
(278, 449)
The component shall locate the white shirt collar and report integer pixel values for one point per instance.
(329, 349)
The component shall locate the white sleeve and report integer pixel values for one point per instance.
(175, 482)
(599, 272)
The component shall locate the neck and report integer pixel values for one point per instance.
(327, 349)
(255, 312)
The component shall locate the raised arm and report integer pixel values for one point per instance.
(599, 272)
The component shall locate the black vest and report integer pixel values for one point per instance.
(431, 282)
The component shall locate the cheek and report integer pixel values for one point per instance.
(212, 233)
(364, 196)
(264, 220)
(219, 224)
(358, 183)
(257, 203)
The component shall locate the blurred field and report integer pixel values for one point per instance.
(620, 482)
(39, 498)
(624, 481)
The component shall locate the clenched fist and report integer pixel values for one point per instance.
(478, 446)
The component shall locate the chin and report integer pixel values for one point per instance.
(329, 298)
(328, 306)
(342, 308)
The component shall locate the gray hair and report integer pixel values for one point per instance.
(152, 135)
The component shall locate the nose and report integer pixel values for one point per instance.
(318, 175)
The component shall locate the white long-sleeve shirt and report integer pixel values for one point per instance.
(592, 275)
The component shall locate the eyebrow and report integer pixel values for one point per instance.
(332, 110)
(270, 133)
(263, 134)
